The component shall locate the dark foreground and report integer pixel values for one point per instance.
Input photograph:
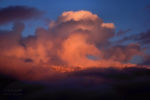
(110, 84)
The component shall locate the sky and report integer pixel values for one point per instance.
(91, 46)
(128, 14)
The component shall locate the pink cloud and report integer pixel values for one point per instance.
(63, 47)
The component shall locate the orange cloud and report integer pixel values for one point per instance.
(75, 50)
(64, 47)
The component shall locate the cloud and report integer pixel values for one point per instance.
(123, 32)
(123, 53)
(63, 47)
(146, 60)
(17, 13)
(142, 38)
(77, 16)
(88, 84)
(84, 22)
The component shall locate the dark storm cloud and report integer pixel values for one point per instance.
(89, 84)
(17, 13)
(113, 74)
(110, 82)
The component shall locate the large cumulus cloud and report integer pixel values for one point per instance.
(65, 46)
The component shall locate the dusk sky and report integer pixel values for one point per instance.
(127, 14)
(67, 49)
